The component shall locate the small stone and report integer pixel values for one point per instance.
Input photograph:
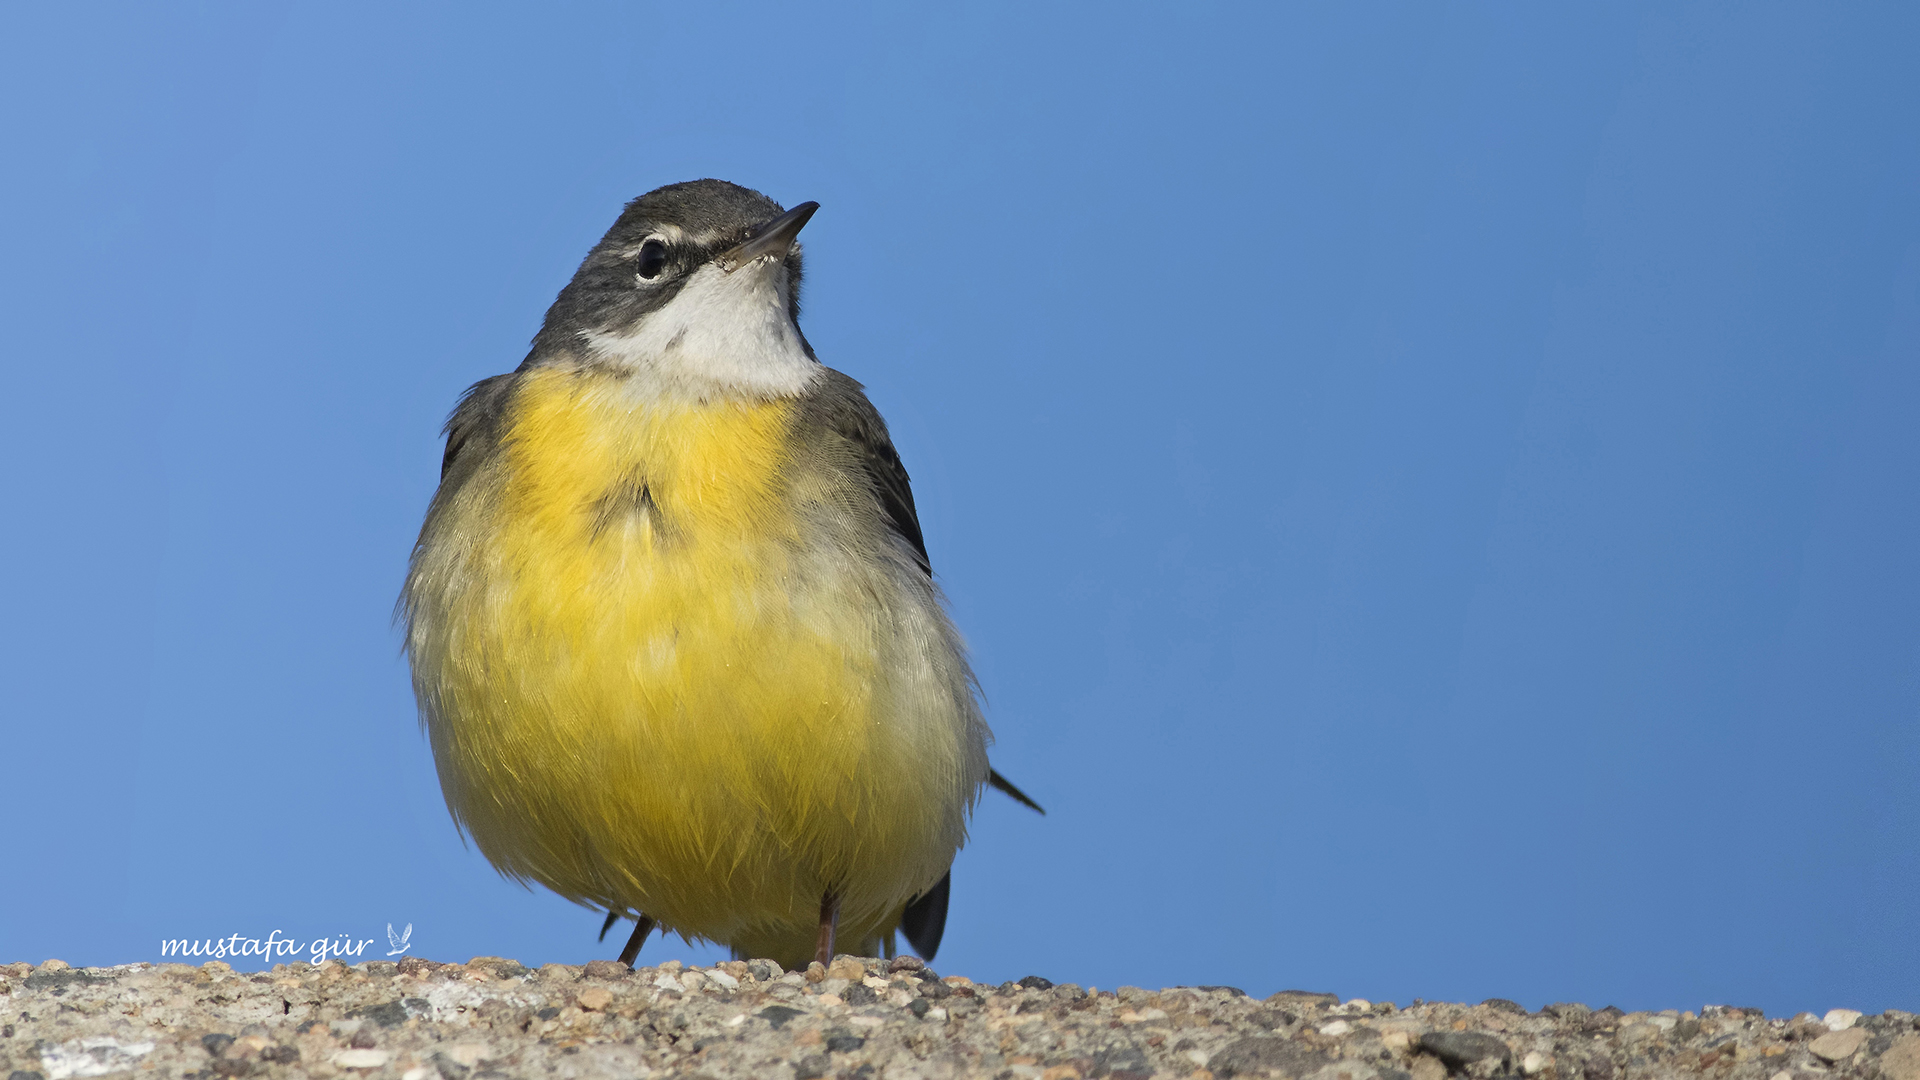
(1338, 1027)
(723, 980)
(1638, 1032)
(1302, 999)
(816, 972)
(499, 967)
(1035, 982)
(1427, 1067)
(1503, 1005)
(1901, 1061)
(1840, 1019)
(61, 965)
(603, 969)
(1535, 1063)
(906, 963)
(361, 1059)
(846, 967)
(844, 1042)
(778, 1015)
(1259, 1053)
(466, 1054)
(1837, 1046)
(594, 998)
(1462, 1048)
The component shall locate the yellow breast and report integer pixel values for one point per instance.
(658, 679)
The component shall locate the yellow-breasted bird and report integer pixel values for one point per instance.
(674, 634)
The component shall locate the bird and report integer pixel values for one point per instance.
(673, 631)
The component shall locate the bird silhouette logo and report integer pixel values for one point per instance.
(399, 940)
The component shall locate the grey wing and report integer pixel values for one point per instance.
(474, 425)
(473, 432)
(847, 412)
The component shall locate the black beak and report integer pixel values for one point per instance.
(774, 238)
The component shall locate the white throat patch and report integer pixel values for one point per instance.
(722, 335)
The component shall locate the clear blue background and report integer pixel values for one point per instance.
(1431, 488)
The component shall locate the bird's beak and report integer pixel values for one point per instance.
(774, 238)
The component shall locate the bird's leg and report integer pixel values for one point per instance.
(641, 928)
(829, 921)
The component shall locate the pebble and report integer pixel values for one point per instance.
(1461, 1048)
(862, 1019)
(1902, 1059)
(1838, 1045)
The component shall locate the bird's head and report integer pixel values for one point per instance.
(694, 290)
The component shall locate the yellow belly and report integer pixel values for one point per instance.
(655, 682)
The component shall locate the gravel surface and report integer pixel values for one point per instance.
(860, 1019)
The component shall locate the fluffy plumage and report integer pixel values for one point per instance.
(673, 632)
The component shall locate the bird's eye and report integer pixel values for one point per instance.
(653, 259)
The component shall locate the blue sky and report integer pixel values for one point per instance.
(1430, 488)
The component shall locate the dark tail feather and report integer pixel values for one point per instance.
(612, 917)
(1001, 783)
(925, 920)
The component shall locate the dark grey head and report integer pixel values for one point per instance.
(703, 275)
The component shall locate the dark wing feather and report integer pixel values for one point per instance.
(838, 406)
(890, 483)
(475, 421)
(925, 920)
